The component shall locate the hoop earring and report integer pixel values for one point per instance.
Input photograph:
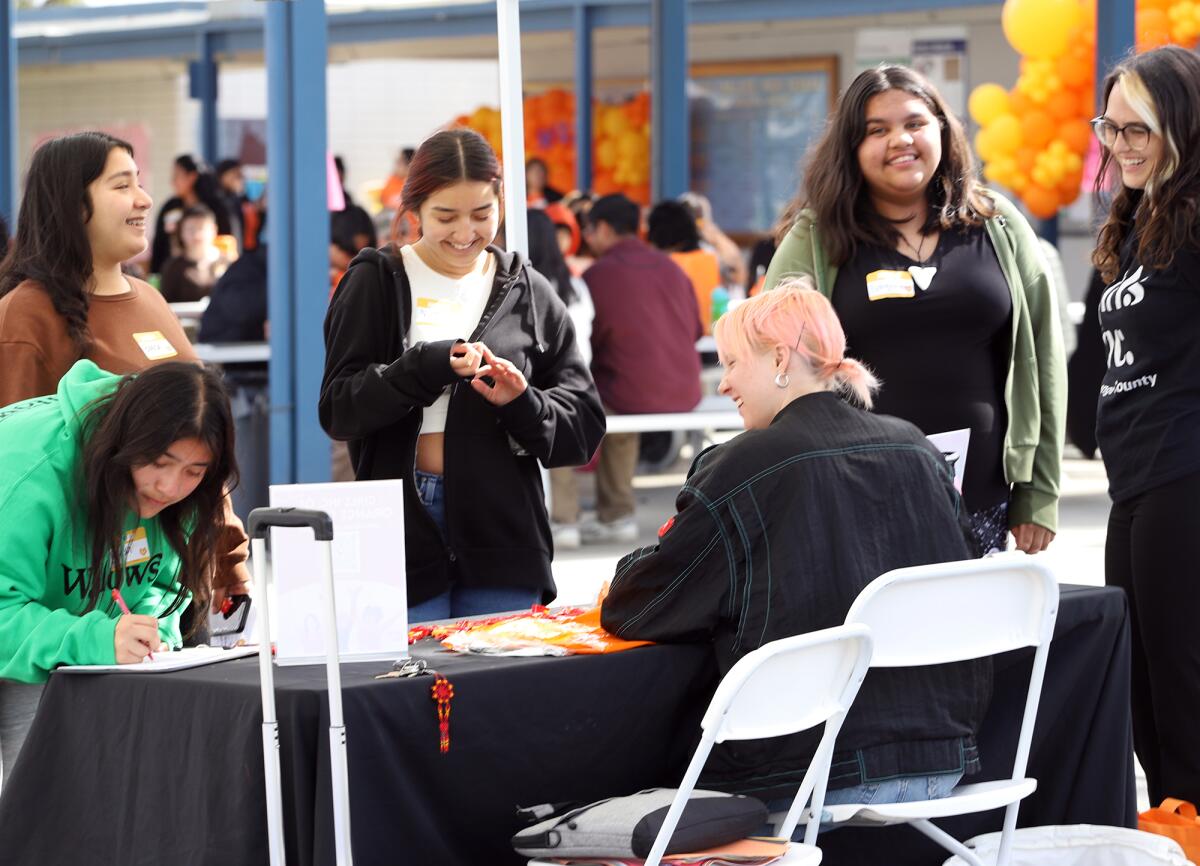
(782, 380)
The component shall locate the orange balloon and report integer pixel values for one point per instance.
(1076, 134)
(1069, 186)
(1018, 103)
(1075, 68)
(1037, 129)
(1062, 105)
(1042, 203)
(1025, 157)
(1087, 103)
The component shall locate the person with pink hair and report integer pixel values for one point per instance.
(777, 531)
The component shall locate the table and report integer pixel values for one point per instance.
(167, 768)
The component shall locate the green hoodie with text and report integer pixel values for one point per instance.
(44, 553)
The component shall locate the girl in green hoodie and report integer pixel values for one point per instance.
(111, 483)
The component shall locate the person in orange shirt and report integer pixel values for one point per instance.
(673, 229)
(394, 186)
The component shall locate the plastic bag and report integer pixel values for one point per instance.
(1079, 845)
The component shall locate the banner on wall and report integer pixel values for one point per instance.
(938, 53)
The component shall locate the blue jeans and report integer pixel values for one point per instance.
(460, 601)
(906, 789)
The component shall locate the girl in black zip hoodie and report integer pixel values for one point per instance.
(452, 364)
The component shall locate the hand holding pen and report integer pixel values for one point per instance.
(135, 634)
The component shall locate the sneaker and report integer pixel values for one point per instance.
(624, 529)
(566, 535)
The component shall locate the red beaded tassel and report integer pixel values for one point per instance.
(443, 692)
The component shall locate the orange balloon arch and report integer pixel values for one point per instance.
(1034, 137)
(620, 140)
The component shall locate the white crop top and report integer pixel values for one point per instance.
(444, 308)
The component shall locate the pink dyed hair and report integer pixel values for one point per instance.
(796, 315)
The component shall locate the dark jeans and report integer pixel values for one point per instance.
(1153, 553)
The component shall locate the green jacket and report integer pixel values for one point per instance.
(43, 550)
(1035, 390)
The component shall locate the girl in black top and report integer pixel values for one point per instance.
(452, 364)
(1148, 421)
(941, 292)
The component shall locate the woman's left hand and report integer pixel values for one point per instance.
(1032, 538)
(508, 383)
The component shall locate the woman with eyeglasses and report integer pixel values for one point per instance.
(1148, 421)
(942, 291)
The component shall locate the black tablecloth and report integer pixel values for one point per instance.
(167, 768)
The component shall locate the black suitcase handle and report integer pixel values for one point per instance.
(261, 519)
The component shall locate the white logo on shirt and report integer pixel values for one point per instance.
(1118, 355)
(1124, 293)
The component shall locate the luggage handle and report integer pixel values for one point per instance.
(261, 519)
(1179, 807)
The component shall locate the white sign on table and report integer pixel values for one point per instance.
(368, 571)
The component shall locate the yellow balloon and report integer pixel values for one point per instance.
(615, 121)
(1040, 29)
(987, 102)
(606, 154)
(1005, 134)
(985, 148)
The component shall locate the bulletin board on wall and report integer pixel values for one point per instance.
(751, 124)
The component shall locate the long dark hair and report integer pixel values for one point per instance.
(136, 425)
(545, 256)
(833, 184)
(51, 244)
(445, 158)
(1166, 83)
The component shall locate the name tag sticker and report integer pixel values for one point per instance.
(889, 284)
(436, 312)
(154, 345)
(137, 548)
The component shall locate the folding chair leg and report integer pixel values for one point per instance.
(937, 834)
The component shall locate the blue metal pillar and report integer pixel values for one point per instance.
(297, 235)
(202, 85)
(584, 24)
(8, 113)
(670, 150)
(1115, 36)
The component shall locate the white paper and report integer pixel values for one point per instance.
(176, 660)
(368, 573)
(953, 445)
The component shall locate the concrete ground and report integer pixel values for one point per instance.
(1076, 555)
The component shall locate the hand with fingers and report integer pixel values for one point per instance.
(507, 382)
(465, 359)
(1032, 538)
(135, 638)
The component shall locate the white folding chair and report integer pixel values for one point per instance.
(785, 686)
(949, 612)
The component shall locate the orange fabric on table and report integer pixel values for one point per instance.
(704, 271)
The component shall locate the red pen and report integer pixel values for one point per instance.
(116, 596)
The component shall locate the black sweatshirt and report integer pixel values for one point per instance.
(1148, 418)
(376, 386)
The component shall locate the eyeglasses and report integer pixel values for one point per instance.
(1137, 135)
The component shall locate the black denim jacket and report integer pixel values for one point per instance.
(775, 534)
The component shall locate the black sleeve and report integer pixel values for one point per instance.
(558, 418)
(369, 383)
(674, 590)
